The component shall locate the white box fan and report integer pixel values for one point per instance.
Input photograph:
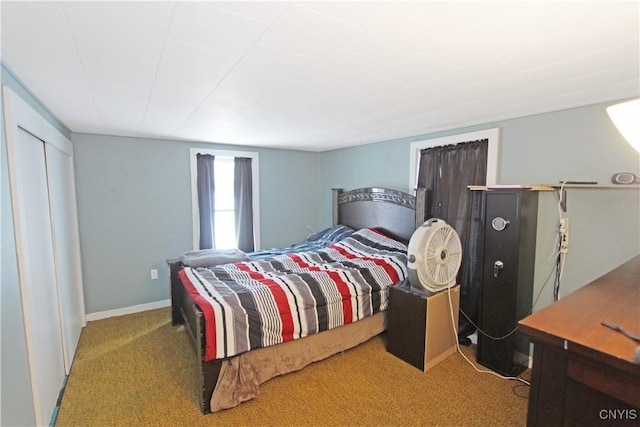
(434, 256)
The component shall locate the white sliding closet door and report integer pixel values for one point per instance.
(36, 268)
(64, 221)
(47, 245)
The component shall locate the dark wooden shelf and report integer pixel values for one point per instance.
(558, 188)
(551, 187)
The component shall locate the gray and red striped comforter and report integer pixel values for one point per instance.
(253, 304)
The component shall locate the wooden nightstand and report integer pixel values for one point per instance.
(419, 329)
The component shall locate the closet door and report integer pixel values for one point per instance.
(47, 245)
(66, 244)
(36, 268)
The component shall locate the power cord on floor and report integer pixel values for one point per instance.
(525, 382)
(519, 386)
(482, 371)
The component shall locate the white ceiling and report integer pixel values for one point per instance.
(316, 75)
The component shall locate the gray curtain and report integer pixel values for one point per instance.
(206, 200)
(243, 197)
(447, 171)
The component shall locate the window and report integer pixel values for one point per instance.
(465, 212)
(224, 228)
(225, 223)
(493, 135)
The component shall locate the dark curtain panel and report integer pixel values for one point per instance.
(243, 197)
(206, 200)
(447, 171)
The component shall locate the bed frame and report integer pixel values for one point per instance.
(396, 213)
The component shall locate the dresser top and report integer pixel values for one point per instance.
(575, 321)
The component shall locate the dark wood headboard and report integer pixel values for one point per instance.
(394, 212)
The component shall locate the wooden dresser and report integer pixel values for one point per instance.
(583, 372)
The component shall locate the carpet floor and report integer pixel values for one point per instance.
(138, 370)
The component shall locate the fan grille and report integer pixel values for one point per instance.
(438, 255)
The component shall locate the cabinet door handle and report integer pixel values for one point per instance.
(497, 266)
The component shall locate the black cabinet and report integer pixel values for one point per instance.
(510, 223)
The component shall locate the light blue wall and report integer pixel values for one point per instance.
(134, 203)
(15, 383)
(131, 188)
(575, 144)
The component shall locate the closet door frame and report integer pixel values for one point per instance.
(20, 117)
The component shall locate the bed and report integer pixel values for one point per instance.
(380, 222)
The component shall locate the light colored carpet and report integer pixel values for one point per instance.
(138, 370)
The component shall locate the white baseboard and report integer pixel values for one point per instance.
(519, 358)
(522, 359)
(474, 338)
(128, 310)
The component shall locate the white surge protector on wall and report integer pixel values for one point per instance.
(564, 235)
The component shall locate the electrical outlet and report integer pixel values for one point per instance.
(153, 274)
(564, 235)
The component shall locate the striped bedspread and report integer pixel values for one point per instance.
(253, 304)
